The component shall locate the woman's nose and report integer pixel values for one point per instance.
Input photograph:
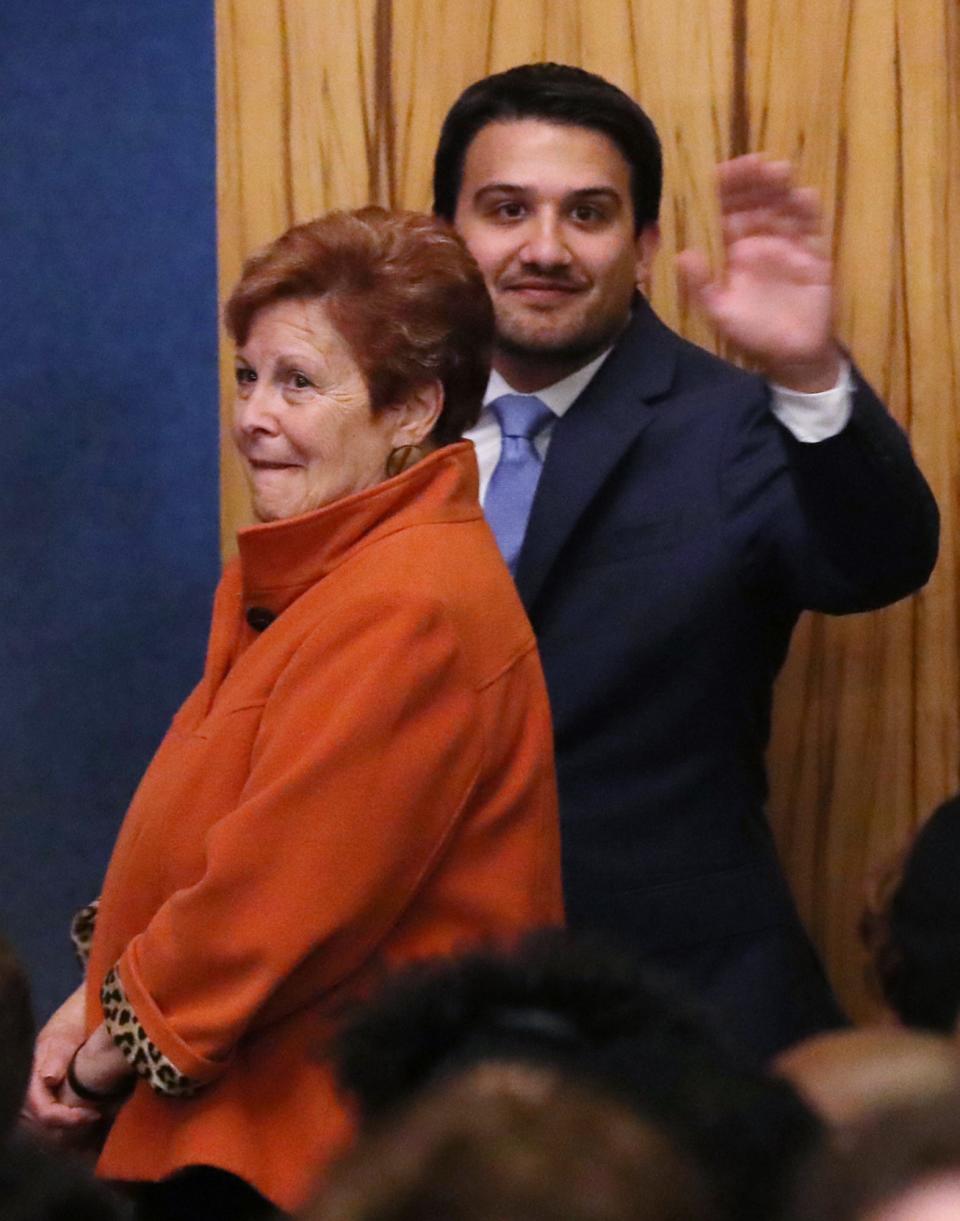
(254, 410)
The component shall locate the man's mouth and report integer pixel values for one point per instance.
(543, 286)
(542, 292)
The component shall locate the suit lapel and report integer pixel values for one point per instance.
(591, 438)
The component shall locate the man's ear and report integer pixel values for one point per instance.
(416, 416)
(647, 245)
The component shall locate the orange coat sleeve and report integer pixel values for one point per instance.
(366, 754)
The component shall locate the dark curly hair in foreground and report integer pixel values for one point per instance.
(881, 1160)
(16, 1035)
(515, 1143)
(573, 1004)
(558, 1000)
(912, 929)
(37, 1184)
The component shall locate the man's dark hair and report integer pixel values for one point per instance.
(573, 1004)
(555, 93)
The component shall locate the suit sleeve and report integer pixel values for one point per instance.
(367, 752)
(845, 524)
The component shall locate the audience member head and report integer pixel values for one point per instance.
(402, 291)
(574, 1005)
(898, 1165)
(557, 999)
(37, 1185)
(912, 930)
(554, 93)
(16, 1035)
(846, 1075)
(514, 1143)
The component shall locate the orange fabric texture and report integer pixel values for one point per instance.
(366, 781)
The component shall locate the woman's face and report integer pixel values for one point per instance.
(303, 425)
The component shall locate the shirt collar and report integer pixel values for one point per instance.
(560, 396)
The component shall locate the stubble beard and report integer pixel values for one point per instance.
(551, 342)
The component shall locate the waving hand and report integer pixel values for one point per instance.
(773, 296)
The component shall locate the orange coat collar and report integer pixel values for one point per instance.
(279, 560)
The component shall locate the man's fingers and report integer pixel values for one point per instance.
(756, 186)
(693, 273)
(768, 259)
(775, 222)
(753, 181)
(696, 283)
(805, 202)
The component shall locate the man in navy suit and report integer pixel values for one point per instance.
(668, 516)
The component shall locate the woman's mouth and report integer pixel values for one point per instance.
(260, 464)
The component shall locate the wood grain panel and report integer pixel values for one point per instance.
(865, 736)
(327, 103)
(252, 180)
(617, 40)
(929, 74)
(427, 76)
(303, 127)
(837, 756)
(694, 110)
(338, 110)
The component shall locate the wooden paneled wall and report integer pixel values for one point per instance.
(333, 103)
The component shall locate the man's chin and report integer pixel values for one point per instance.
(561, 348)
(554, 338)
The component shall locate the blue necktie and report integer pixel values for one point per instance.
(514, 481)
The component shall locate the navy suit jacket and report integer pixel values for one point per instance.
(677, 532)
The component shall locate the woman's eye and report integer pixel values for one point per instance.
(245, 376)
(509, 210)
(586, 215)
(299, 382)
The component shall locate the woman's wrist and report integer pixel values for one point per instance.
(84, 1092)
(98, 1071)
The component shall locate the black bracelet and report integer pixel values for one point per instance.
(86, 1093)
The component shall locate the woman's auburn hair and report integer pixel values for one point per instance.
(402, 290)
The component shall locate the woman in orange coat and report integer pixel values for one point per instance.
(364, 774)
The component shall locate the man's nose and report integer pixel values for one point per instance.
(545, 245)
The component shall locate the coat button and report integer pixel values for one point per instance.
(259, 617)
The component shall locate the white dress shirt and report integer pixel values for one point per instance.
(810, 417)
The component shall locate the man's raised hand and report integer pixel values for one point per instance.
(772, 298)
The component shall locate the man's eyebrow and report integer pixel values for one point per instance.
(493, 188)
(514, 188)
(595, 192)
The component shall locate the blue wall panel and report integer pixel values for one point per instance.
(108, 448)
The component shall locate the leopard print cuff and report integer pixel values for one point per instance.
(81, 930)
(143, 1056)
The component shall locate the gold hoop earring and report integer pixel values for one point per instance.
(402, 458)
